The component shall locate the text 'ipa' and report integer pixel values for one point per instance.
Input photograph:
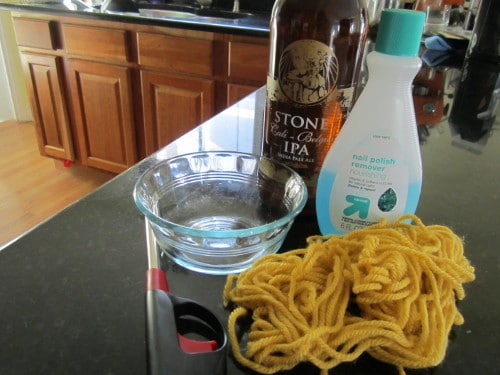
(315, 58)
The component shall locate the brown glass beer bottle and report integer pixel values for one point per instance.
(315, 59)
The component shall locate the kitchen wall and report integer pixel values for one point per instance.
(14, 102)
(6, 105)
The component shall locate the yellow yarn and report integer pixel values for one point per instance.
(403, 280)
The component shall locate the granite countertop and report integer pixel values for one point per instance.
(251, 23)
(72, 289)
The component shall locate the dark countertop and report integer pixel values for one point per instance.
(255, 24)
(72, 289)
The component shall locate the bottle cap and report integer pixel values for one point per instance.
(400, 32)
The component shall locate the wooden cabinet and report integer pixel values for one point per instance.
(107, 93)
(35, 33)
(172, 106)
(236, 92)
(178, 91)
(43, 77)
(102, 101)
(189, 53)
(43, 71)
(96, 43)
(101, 93)
(247, 68)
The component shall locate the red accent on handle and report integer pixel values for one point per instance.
(194, 346)
(156, 279)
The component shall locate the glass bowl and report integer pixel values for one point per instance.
(217, 212)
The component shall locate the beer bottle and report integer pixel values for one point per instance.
(315, 58)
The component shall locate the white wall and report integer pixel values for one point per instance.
(6, 104)
(14, 102)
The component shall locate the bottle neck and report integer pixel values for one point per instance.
(390, 70)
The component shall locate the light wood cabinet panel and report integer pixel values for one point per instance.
(96, 42)
(106, 93)
(173, 105)
(102, 100)
(236, 92)
(248, 62)
(176, 54)
(48, 104)
(34, 33)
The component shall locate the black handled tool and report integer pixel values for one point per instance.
(183, 337)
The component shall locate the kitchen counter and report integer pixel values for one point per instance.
(254, 24)
(72, 289)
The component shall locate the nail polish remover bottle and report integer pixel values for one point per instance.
(373, 170)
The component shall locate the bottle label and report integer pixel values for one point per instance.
(307, 73)
(305, 108)
(372, 183)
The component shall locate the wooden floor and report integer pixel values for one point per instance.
(33, 187)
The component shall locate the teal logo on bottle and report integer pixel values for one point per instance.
(388, 200)
(360, 205)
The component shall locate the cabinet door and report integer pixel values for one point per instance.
(173, 105)
(237, 92)
(43, 75)
(248, 62)
(102, 102)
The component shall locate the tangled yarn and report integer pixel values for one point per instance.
(389, 290)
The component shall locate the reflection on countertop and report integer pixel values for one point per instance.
(466, 97)
(466, 92)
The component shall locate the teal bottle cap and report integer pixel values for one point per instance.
(400, 32)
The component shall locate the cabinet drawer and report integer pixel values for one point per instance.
(97, 42)
(34, 33)
(248, 62)
(176, 54)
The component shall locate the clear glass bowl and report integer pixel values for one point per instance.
(217, 212)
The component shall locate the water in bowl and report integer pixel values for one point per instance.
(240, 206)
(215, 205)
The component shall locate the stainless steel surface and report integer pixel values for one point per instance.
(199, 14)
(153, 256)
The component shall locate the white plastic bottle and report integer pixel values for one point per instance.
(374, 169)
